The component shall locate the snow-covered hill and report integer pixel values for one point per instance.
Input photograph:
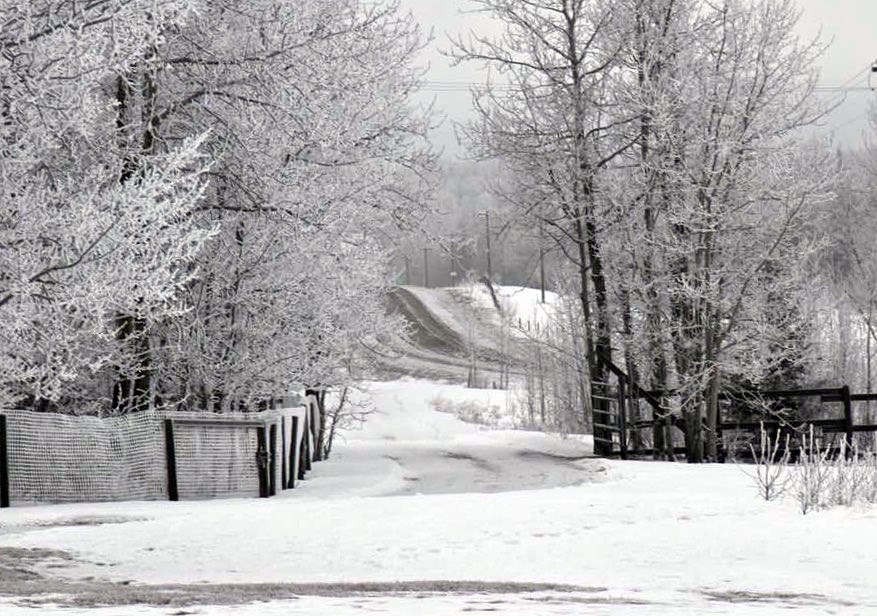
(452, 328)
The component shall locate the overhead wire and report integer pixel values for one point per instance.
(466, 86)
(850, 85)
(865, 69)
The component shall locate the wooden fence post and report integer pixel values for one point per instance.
(303, 464)
(283, 456)
(170, 452)
(309, 433)
(262, 461)
(314, 421)
(4, 464)
(294, 453)
(622, 422)
(848, 417)
(272, 460)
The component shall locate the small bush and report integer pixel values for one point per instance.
(469, 411)
(818, 480)
(771, 474)
(869, 489)
(812, 475)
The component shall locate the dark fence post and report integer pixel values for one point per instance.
(622, 420)
(315, 418)
(303, 449)
(294, 452)
(4, 464)
(262, 461)
(272, 460)
(283, 456)
(309, 433)
(848, 417)
(170, 452)
(314, 421)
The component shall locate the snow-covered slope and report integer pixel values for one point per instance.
(523, 306)
(448, 326)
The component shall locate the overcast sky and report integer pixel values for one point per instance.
(850, 26)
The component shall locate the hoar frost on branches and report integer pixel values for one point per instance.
(317, 152)
(659, 143)
(77, 244)
(215, 176)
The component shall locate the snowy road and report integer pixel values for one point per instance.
(447, 326)
(418, 497)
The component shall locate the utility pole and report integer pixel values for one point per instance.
(868, 362)
(426, 267)
(453, 264)
(486, 215)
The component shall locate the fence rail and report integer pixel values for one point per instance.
(618, 424)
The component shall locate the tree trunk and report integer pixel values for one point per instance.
(712, 414)
(693, 414)
(603, 341)
(630, 365)
(132, 392)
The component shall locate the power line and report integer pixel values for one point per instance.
(865, 69)
(843, 89)
(466, 86)
(447, 86)
(834, 129)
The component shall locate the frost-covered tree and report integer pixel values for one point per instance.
(661, 142)
(83, 240)
(546, 120)
(317, 150)
(744, 182)
(212, 179)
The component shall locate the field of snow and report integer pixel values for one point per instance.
(419, 512)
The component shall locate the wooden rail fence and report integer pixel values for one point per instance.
(619, 422)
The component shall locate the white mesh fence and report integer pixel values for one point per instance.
(55, 458)
(216, 460)
(63, 458)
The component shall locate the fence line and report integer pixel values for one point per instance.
(152, 455)
(618, 421)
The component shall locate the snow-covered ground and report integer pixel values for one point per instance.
(417, 497)
(522, 305)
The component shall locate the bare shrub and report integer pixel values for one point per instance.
(350, 409)
(771, 474)
(812, 475)
(869, 489)
(848, 476)
(823, 480)
(818, 480)
(470, 411)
